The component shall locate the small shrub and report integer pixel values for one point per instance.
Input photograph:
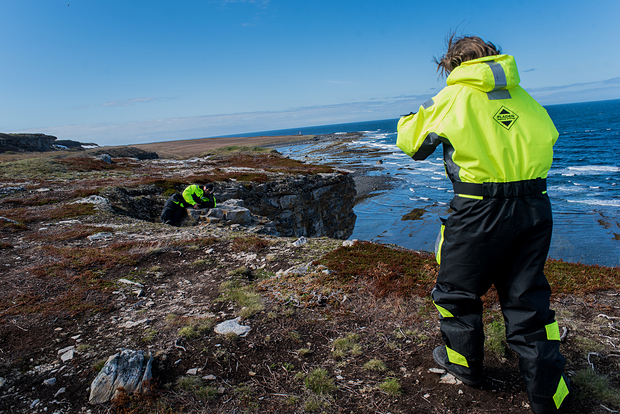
(149, 335)
(245, 297)
(188, 332)
(375, 365)
(291, 400)
(188, 383)
(389, 271)
(347, 344)
(206, 392)
(390, 386)
(231, 336)
(240, 271)
(587, 344)
(319, 382)
(195, 386)
(196, 328)
(199, 262)
(315, 403)
(596, 385)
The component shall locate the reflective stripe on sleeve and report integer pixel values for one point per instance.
(428, 103)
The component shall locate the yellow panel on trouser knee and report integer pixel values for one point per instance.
(553, 331)
(456, 358)
(443, 311)
(560, 393)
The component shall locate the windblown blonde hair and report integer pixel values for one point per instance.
(461, 49)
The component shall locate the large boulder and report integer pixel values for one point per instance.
(128, 370)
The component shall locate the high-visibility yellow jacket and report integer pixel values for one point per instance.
(491, 129)
(193, 194)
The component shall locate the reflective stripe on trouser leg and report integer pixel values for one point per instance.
(456, 358)
(462, 334)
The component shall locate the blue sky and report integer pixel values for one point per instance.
(130, 71)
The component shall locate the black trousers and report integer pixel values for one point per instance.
(173, 211)
(502, 242)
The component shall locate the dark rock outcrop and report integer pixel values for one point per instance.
(26, 142)
(126, 152)
(141, 203)
(313, 205)
(302, 205)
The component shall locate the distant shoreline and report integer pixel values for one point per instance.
(194, 147)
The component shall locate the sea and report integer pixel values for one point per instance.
(583, 183)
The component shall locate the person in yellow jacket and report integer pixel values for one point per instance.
(199, 196)
(497, 148)
(196, 196)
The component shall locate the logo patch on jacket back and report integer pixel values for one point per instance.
(505, 117)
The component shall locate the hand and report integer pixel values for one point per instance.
(196, 206)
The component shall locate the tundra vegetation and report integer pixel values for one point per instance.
(351, 332)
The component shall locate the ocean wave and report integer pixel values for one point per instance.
(593, 202)
(593, 169)
(562, 188)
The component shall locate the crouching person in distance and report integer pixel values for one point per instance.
(497, 148)
(194, 195)
(200, 196)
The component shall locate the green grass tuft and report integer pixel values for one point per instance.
(375, 365)
(390, 386)
(319, 382)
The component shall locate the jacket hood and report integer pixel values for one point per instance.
(486, 74)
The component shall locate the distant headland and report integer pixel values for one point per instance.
(38, 143)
